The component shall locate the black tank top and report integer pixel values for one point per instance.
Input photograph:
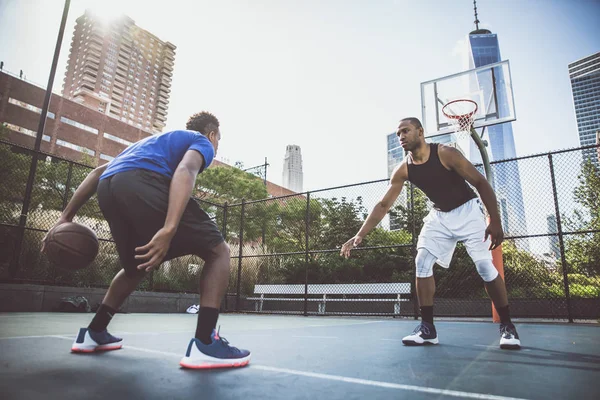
(446, 189)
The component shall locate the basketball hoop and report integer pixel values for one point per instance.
(461, 114)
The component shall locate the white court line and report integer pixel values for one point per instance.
(365, 382)
(118, 333)
(35, 337)
(388, 385)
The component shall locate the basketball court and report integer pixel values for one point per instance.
(297, 357)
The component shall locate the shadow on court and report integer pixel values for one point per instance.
(297, 358)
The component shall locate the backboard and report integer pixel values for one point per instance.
(489, 86)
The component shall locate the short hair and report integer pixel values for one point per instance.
(202, 122)
(413, 120)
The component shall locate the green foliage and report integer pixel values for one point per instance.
(583, 251)
(226, 184)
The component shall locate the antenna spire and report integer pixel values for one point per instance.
(476, 19)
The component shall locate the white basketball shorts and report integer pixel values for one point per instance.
(442, 230)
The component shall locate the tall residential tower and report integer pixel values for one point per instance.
(121, 70)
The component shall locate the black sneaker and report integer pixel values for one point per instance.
(509, 338)
(423, 334)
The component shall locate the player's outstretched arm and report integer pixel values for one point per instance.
(453, 159)
(399, 176)
(180, 191)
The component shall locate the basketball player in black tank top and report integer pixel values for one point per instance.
(442, 172)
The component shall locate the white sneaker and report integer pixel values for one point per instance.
(193, 309)
(509, 338)
(423, 334)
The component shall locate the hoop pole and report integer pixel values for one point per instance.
(484, 156)
(497, 259)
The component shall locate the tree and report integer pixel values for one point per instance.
(220, 185)
(583, 251)
(227, 184)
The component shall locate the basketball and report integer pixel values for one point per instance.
(71, 246)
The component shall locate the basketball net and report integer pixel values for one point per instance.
(461, 114)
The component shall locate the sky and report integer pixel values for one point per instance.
(334, 76)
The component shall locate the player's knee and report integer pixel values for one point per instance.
(221, 250)
(424, 263)
(486, 270)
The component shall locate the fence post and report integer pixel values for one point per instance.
(38, 141)
(67, 186)
(224, 233)
(225, 221)
(413, 288)
(307, 222)
(241, 245)
(563, 259)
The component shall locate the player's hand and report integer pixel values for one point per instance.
(494, 230)
(154, 252)
(60, 221)
(349, 245)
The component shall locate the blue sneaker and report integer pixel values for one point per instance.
(218, 354)
(425, 333)
(89, 341)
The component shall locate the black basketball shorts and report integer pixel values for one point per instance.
(135, 205)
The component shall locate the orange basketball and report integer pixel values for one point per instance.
(71, 246)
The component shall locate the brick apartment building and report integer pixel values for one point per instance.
(72, 129)
(121, 70)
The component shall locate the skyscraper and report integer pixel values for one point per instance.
(484, 49)
(292, 168)
(553, 241)
(585, 84)
(395, 153)
(120, 70)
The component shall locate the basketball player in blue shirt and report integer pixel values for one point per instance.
(145, 195)
(442, 173)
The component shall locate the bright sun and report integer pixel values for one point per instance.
(105, 14)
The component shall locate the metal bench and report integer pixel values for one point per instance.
(345, 289)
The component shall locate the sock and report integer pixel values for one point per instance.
(102, 318)
(504, 314)
(427, 314)
(207, 320)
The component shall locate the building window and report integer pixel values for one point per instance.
(79, 125)
(117, 139)
(25, 131)
(29, 107)
(76, 147)
(106, 157)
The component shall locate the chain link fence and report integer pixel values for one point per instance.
(285, 250)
